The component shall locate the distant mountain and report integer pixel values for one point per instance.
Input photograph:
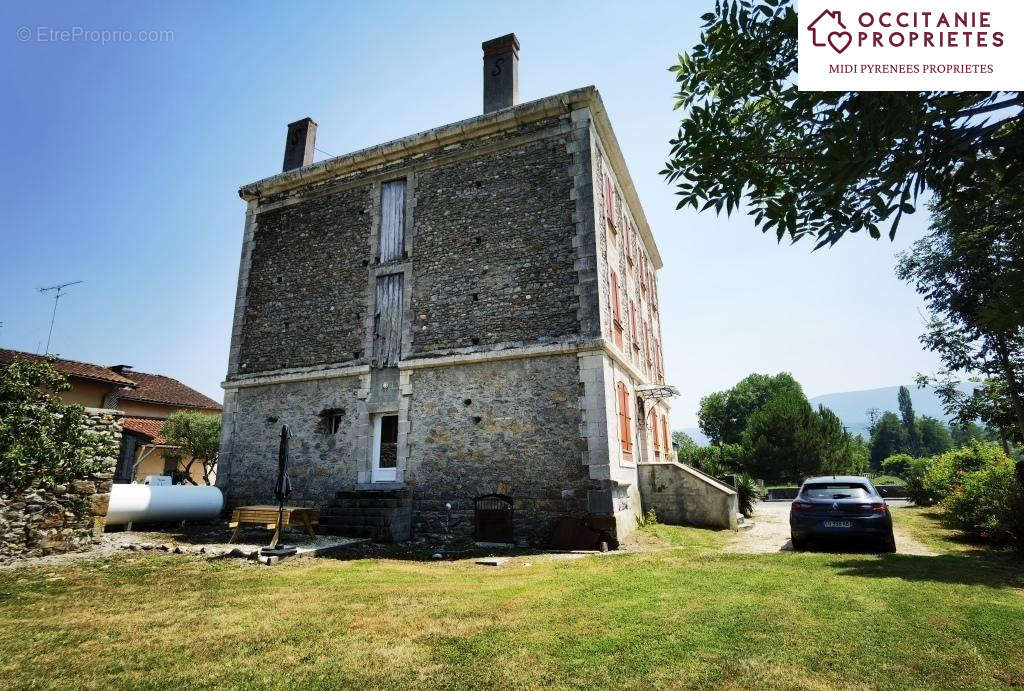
(852, 407)
(696, 435)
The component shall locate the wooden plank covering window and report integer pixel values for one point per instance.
(387, 323)
(392, 221)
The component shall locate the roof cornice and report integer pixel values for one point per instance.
(481, 125)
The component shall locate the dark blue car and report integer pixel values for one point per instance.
(840, 506)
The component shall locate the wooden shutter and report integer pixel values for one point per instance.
(625, 420)
(392, 221)
(655, 433)
(664, 434)
(387, 323)
(616, 308)
(632, 326)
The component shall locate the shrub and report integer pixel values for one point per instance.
(748, 493)
(43, 441)
(944, 473)
(897, 464)
(988, 502)
(913, 474)
(647, 519)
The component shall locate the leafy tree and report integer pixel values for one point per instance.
(819, 163)
(898, 464)
(42, 440)
(966, 432)
(684, 444)
(723, 415)
(838, 453)
(888, 437)
(906, 406)
(970, 271)
(860, 455)
(988, 402)
(197, 437)
(781, 439)
(934, 436)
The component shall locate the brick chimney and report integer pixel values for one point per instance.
(298, 147)
(501, 72)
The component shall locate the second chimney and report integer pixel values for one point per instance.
(501, 73)
(298, 147)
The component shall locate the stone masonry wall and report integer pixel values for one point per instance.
(40, 521)
(307, 283)
(320, 462)
(490, 235)
(510, 426)
(494, 256)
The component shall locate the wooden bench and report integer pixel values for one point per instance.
(266, 514)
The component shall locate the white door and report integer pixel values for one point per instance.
(385, 448)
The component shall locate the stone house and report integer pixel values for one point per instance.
(468, 311)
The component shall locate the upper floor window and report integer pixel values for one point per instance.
(627, 239)
(391, 246)
(625, 421)
(634, 334)
(616, 308)
(656, 433)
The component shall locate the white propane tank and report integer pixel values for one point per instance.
(150, 503)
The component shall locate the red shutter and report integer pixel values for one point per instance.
(664, 433)
(625, 421)
(654, 429)
(616, 308)
(632, 325)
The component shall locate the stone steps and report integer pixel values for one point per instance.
(383, 515)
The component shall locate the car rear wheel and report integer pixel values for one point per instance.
(799, 543)
(888, 543)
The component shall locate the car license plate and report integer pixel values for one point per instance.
(838, 524)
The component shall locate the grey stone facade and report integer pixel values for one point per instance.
(306, 259)
(48, 520)
(508, 374)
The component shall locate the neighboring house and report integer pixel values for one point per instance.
(93, 386)
(146, 401)
(152, 399)
(463, 312)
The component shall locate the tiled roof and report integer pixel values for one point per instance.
(70, 368)
(146, 426)
(156, 388)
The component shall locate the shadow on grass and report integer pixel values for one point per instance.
(976, 567)
(423, 552)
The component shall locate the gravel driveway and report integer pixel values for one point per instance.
(771, 531)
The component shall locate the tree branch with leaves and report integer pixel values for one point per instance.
(819, 164)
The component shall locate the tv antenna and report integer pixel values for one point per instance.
(57, 292)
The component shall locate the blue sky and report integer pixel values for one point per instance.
(122, 163)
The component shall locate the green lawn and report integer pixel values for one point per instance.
(684, 615)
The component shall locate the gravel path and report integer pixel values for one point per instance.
(771, 532)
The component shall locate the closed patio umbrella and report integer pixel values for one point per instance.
(282, 489)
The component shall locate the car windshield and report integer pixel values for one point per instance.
(836, 490)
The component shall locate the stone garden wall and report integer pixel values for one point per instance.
(39, 521)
